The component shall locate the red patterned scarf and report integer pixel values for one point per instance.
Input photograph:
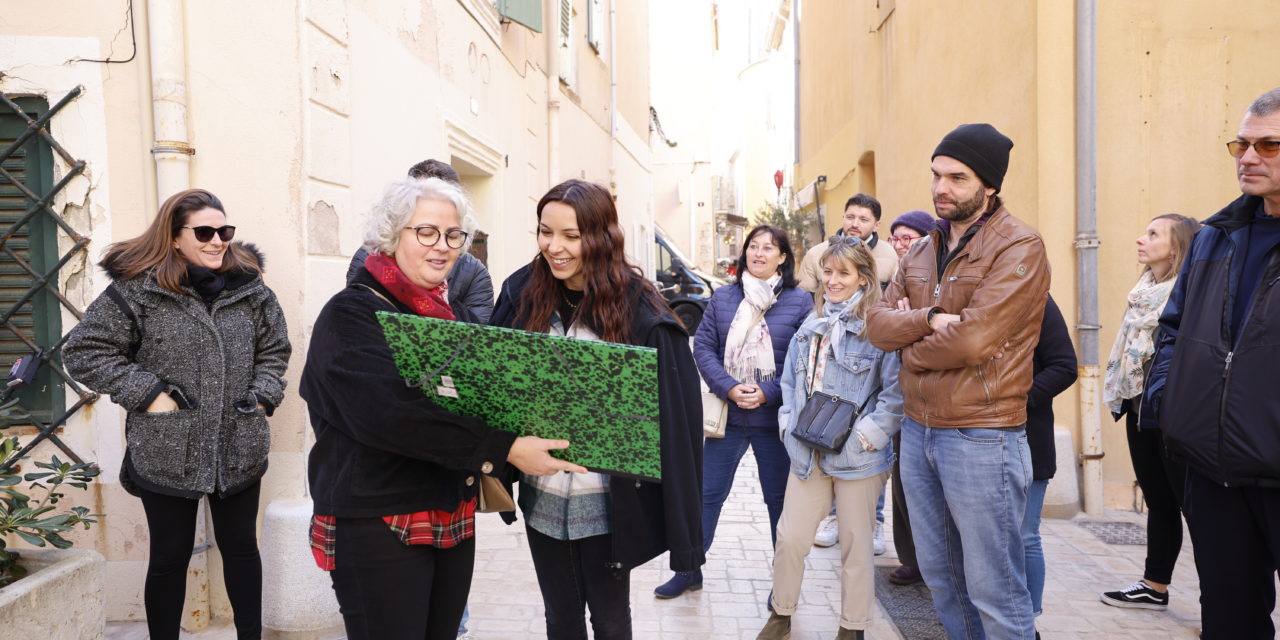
(424, 302)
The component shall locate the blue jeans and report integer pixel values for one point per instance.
(1031, 547)
(968, 494)
(466, 615)
(720, 458)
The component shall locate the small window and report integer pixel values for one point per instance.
(595, 24)
(568, 72)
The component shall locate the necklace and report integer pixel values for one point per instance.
(565, 296)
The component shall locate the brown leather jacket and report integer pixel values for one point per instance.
(997, 285)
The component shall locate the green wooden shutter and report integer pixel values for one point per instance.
(523, 12)
(37, 321)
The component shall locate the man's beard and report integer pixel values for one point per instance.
(964, 210)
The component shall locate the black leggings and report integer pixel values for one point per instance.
(574, 576)
(171, 523)
(388, 590)
(1162, 481)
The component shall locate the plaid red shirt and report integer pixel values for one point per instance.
(440, 529)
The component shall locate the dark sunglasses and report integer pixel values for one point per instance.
(1264, 148)
(205, 233)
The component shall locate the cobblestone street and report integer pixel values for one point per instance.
(506, 605)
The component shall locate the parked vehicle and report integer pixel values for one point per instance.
(686, 289)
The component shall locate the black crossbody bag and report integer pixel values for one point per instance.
(826, 421)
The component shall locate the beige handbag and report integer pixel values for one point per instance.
(715, 415)
(494, 497)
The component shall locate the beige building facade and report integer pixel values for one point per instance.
(882, 81)
(297, 114)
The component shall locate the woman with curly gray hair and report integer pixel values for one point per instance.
(388, 460)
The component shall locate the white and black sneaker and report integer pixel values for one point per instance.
(1137, 596)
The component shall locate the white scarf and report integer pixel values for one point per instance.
(1134, 344)
(748, 350)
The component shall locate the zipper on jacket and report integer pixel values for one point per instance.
(1222, 402)
(986, 388)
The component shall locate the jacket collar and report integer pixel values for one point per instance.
(976, 243)
(1235, 215)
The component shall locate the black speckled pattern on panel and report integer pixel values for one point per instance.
(600, 396)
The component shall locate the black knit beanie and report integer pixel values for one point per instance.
(982, 148)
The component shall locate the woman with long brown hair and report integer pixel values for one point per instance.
(191, 342)
(587, 531)
(1162, 247)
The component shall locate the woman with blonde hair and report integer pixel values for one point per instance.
(830, 353)
(1162, 249)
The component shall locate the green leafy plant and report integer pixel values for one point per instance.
(36, 519)
(797, 224)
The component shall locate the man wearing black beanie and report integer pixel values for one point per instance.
(965, 310)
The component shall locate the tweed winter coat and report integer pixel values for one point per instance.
(226, 358)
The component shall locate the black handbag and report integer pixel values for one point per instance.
(826, 421)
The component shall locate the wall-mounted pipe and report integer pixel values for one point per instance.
(1086, 245)
(171, 148)
(553, 92)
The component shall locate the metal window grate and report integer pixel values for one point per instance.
(30, 261)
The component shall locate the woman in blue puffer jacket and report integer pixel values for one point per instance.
(830, 353)
(739, 348)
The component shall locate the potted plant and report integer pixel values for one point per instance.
(56, 592)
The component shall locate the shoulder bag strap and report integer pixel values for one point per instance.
(114, 294)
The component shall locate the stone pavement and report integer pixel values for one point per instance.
(506, 605)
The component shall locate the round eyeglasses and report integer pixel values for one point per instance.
(907, 240)
(429, 235)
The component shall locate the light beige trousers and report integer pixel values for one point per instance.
(806, 503)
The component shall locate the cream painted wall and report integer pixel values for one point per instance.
(1173, 82)
(299, 118)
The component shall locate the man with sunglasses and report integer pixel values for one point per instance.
(1211, 390)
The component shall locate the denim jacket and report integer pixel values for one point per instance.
(853, 376)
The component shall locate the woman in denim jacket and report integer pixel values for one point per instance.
(851, 368)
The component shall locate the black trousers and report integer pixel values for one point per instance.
(1235, 533)
(901, 517)
(388, 590)
(574, 575)
(171, 524)
(1162, 481)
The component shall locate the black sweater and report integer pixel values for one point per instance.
(649, 518)
(1055, 370)
(383, 448)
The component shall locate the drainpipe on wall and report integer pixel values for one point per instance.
(1086, 244)
(172, 151)
(553, 96)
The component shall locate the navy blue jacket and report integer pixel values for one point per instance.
(1217, 403)
(783, 318)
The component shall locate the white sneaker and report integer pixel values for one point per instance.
(828, 532)
(877, 539)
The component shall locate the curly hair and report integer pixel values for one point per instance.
(392, 212)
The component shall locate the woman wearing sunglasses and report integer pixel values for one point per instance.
(191, 342)
(586, 532)
(393, 476)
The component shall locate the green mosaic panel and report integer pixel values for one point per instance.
(600, 396)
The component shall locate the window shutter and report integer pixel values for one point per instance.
(527, 13)
(38, 319)
(568, 71)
